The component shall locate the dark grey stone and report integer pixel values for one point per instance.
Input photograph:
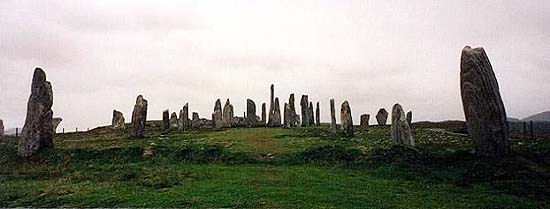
(382, 116)
(118, 120)
(345, 119)
(400, 130)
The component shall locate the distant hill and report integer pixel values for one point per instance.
(513, 120)
(543, 116)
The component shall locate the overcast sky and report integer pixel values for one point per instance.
(99, 55)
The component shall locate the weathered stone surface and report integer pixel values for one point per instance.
(311, 114)
(174, 121)
(271, 107)
(382, 117)
(409, 117)
(252, 119)
(217, 116)
(400, 130)
(139, 117)
(295, 119)
(304, 104)
(317, 115)
(239, 122)
(184, 122)
(345, 119)
(118, 120)
(276, 116)
(263, 119)
(483, 108)
(55, 122)
(166, 121)
(195, 115)
(38, 132)
(287, 116)
(333, 126)
(1, 129)
(228, 114)
(365, 121)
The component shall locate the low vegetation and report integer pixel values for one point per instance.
(273, 168)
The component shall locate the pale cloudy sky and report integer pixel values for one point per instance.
(99, 55)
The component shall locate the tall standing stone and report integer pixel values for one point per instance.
(217, 116)
(166, 121)
(139, 117)
(365, 121)
(333, 126)
(311, 114)
(1, 129)
(55, 123)
(276, 116)
(271, 107)
(174, 121)
(295, 119)
(287, 116)
(251, 118)
(400, 130)
(227, 114)
(317, 115)
(263, 120)
(118, 120)
(483, 108)
(304, 104)
(184, 118)
(37, 132)
(345, 119)
(382, 116)
(409, 117)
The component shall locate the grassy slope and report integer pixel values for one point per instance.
(259, 168)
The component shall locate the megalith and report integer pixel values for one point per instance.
(139, 117)
(400, 130)
(382, 117)
(345, 119)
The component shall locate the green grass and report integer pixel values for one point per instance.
(269, 168)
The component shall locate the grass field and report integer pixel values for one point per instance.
(272, 168)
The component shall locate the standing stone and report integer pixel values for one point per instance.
(365, 121)
(382, 117)
(1, 129)
(55, 123)
(118, 120)
(483, 107)
(184, 118)
(217, 116)
(345, 119)
(166, 121)
(333, 126)
(271, 107)
(251, 118)
(263, 115)
(276, 116)
(139, 117)
(304, 104)
(195, 115)
(311, 114)
(409, 117)
(400, 130)
(37, 132)
(287, 116)
(173, 121)
(317, 115)
(227, 114)
(295, 119)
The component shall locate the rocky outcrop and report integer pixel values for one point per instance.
(38, 132)
(365, 121)
(118, 120)
(345, 119)
(333, 126)
(304, 104)
(483, 107)
(400, 130)
(139, 117)
(382, 117)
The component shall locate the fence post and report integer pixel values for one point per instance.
(531, 130)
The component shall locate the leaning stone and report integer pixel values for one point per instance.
(365, 121)
(333, 126)
(483, 108)
(118, 120)
(139, 117)
(382, 117)
(345, 119)
(217, 116)
(166, 121)
(400, 130)
(304, 104)
(38, 132)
